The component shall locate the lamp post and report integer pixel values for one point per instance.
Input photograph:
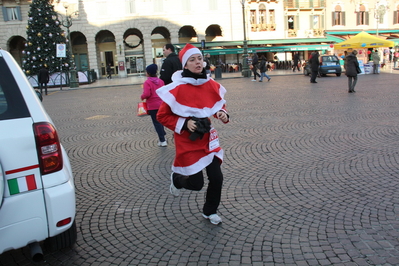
(67, 23)
(246, 72)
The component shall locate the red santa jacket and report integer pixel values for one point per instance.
(188, 97)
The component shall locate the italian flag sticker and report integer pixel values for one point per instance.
(22, 184)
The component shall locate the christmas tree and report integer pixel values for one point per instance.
(44, 33)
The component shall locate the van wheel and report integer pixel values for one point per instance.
(338, 74)
(63, 240)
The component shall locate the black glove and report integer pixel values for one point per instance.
(203, 126)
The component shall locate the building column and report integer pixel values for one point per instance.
(92, 54)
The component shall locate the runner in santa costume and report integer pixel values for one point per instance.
(188, 104)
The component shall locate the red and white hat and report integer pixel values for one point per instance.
(188, 51)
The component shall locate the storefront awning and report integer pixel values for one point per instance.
(290, 48)
(304, 41)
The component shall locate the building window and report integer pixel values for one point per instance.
(338, 16)
(362, 17)
(271, 17)
(252, 16)
(130, 6)
(12, 13)
(291, 22)
(396, 15)
(262, 14)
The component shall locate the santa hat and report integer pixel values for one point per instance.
(186, 52)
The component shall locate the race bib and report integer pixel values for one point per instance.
(213, 139)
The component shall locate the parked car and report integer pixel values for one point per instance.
(329, 64)
(37, 193)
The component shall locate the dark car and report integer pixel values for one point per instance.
(329, 64)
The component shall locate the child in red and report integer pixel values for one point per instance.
(188, 103)
(153, 101)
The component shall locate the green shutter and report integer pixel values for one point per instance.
(5, 14)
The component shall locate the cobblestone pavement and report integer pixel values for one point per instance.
(311, 178)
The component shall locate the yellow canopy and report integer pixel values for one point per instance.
(363, 40)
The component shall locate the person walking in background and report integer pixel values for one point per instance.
(314, 66)
(352, 69)
(395, 58)
(188, 103)
(43, 77)
(296, 61)
(153, 101)
(208, 65)
(171, 63)
(263, 69)
(345, 55)
(255, 62)
(376, 61)
(109, 71)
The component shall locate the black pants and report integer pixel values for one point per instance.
(313, 77)
(255, 70)
(295, 66)
(158, 126)
(41, 87)
(196, 182)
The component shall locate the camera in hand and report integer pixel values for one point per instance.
(203, 126)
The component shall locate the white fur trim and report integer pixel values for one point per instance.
(199, 165)
(189, 53)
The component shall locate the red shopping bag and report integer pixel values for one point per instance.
(142, 109)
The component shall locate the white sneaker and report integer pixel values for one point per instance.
(162, 144)
(213, 218)
(254, 80)
(173, 190)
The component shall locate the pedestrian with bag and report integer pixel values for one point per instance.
(352, 69)
(263, 69)
(188, 104)
(153, 101)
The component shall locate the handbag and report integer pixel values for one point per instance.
(358, 70)
(142, 109)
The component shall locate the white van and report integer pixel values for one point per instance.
(37, 193)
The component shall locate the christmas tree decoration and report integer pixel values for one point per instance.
(44, 33)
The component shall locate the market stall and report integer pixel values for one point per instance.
(362, 42)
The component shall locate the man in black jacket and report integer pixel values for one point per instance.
(171, 63)
(314, 66)
(43, 78)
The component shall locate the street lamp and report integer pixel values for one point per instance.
(246, 72)
(67, 23)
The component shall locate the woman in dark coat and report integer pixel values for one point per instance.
(352, 67)
(314, 66)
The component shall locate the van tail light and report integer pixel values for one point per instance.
(48, 148)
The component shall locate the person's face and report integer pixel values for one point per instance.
(195, 63)
(166, 52)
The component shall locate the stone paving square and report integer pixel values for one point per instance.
(311, 178)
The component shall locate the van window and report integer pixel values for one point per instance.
(12, 104)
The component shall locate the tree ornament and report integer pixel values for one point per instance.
(30, 44)
(39, 34)
(28, 72)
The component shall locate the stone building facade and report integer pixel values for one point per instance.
(130, 34)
